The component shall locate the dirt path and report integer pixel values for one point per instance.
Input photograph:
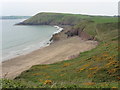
(58, 51)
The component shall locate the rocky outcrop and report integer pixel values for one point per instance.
(69, 31)
(61, 35)
(79, 32)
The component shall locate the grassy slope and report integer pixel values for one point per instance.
(95, 68)
(65, 19)
(92, 69)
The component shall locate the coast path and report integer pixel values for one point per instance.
(58, 51)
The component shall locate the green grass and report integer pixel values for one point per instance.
(97, 68)
(101, 31)
(66, 19)
(105, 19)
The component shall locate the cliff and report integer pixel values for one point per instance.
(84, 26)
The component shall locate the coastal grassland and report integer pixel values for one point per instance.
(66, 19)
(104, 19)
(101, 31)
(97, 68)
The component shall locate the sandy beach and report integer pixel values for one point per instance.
(58, 51)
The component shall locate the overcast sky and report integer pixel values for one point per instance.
(32, 7)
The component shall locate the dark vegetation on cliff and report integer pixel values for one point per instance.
(97, 68)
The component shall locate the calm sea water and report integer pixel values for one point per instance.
(22, 39)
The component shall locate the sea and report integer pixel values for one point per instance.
(16, 40)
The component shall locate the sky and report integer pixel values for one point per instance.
(32, 7)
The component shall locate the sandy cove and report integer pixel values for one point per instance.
(58, 51)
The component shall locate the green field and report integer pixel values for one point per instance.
(66, 19)
(97, 68)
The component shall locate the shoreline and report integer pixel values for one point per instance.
(42, 45)
(64, 49)
(58, 51)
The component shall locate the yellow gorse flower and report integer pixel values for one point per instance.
(111, 63)
(83, 67)
(48, 82)
(114, 87)
(112, 70)
(62, 75)
(66, 64)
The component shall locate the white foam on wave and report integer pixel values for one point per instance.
(26, 50)
(30, 48)
(59, 29)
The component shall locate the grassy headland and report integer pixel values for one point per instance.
(97, 68)
(66, 19)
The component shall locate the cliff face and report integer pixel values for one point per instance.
(83, 26)
(70, 32)
(68, 21)
(79, 32)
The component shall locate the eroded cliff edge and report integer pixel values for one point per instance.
(73, 25)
